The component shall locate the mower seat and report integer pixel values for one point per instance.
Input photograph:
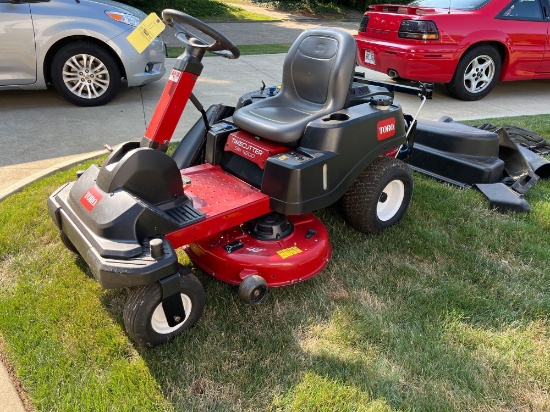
(317, 76)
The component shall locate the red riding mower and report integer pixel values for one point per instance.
(239, 190)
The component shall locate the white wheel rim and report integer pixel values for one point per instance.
(159, 322)
(390, 200)
(86, 76)
(479, 74)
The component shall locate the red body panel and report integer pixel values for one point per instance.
(525, 44)
(280, 262)
(170, 106)
(225, 201)
(258, 151)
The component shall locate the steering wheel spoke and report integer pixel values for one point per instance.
(221, 45)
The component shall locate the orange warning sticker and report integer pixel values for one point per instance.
(288, 252)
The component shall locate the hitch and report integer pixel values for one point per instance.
(423, 90)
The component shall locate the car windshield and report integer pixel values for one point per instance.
(453, 4)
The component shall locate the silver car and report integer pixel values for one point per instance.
(79, 46)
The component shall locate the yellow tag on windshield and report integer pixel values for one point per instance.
(146, 32)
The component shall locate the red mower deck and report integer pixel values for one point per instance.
(233, 254)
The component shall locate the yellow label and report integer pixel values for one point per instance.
(291, 251)
(146, 32)
(283, 157)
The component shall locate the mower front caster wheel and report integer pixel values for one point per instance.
(253, 289)
(144, 316)
(380, 196)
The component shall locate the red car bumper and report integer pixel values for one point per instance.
(420, 62)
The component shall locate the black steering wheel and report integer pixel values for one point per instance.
(222, 45)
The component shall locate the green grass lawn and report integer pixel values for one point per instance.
(447, 311)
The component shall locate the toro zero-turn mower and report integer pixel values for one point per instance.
(239, 191)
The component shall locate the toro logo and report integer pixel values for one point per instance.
(386, 128)
(90, 199)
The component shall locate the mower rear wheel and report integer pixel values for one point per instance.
(144, 316)
(380, 196)
(253, 289)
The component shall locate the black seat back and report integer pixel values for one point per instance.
(319, 67)
(317, 76)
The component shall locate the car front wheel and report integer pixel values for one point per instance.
(85, 74)
(476, 74)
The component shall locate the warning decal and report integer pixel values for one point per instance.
(291, 251)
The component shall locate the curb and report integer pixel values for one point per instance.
(67, 164)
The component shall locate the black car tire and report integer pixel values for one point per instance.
(144, 317)
(380, 196)
(85, 74)
(476, 74)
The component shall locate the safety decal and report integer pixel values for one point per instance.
(175, 76)
(288, 252)
(90, 199)
(386, 128)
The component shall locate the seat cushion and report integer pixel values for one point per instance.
(280, 124)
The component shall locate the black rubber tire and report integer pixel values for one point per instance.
(67, 242)
(253, 289)
(139, 311)
(482, 53)
(360, 202)
(77, 50)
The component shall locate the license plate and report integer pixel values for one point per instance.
(369, 57)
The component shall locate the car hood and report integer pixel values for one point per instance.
(116, 6)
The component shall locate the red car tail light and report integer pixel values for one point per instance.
(364, 23)
(418, 30)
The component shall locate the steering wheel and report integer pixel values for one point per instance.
(222, 45)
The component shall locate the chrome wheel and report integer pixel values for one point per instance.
(479, 74)
(476, 74)
(86, 76)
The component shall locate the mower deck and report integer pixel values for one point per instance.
(220, 245)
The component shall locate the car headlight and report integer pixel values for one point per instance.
(125, 18)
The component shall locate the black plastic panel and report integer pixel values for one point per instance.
(456, 153)
(332, 153)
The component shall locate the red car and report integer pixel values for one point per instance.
(467, 44)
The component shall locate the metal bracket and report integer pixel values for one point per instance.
(171, 300)
(423, 90)
(525, 182)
